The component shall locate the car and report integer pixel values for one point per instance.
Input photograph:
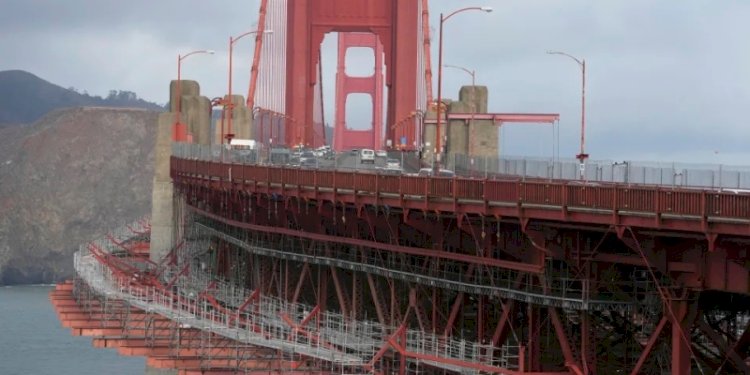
(354, 151)
(390, 171)
(446, 173)
(425, 172)
(429, 172)
(309, 163)
(322, 151)
(392, 164)
(381, 154)
(367, 156)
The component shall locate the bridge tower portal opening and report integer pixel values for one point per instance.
(349, 86)
(393, 22)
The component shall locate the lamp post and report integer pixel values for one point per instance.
(472, 73)
(582, 156)
(229, 135)
(440, 72)
(176, 133)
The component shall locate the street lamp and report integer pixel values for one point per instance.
(582, 156)
(469, 72)
(440, 71)
(472, 73)
(178, 127)
(230, 105)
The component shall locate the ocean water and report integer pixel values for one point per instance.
(32, 342)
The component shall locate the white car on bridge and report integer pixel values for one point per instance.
(367, 156)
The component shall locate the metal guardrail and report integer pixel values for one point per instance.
(557, 194)
(732, 178)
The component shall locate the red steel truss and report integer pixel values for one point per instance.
(457, 274)
(569, 272)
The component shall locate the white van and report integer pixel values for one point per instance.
(367, 156)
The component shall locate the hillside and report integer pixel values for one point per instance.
(25, 98)
(67, 178)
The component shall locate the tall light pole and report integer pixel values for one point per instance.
(582, 156)
(438, 147)
(472, 73)
(177, 131)
(229, 103)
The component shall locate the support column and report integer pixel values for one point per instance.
(533, 345)
(681, 338)
(588, 358)
(162, 195)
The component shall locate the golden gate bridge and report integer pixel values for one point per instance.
(249, 265)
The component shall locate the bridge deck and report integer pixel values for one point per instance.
(655, 207)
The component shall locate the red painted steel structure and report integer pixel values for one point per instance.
(391, 20)
(256, 54)
(270, 127)
(581, 278)
(686, 243)
(345, 137)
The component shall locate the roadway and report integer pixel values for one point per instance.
(351, 160)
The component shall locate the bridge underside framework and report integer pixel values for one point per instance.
(567, 291)
(357, 272)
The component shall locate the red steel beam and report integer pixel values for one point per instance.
(502, 322)
(426, 46)
(379, 309)
(562, 338)
(300, 282)
(340, 293)
(259, 33)
(470, 259)
(454, 313)
(738, 361)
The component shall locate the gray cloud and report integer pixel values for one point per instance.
(666, 80)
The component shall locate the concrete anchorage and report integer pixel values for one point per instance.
(472, 137)
(195, 112)
(242, 122)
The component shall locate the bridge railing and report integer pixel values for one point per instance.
(685, 175)
(657, 200)
(714, 176)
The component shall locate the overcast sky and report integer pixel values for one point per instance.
(667, 80)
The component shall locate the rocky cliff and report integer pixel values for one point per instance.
(69, 177)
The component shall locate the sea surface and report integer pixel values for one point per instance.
(32, 342)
